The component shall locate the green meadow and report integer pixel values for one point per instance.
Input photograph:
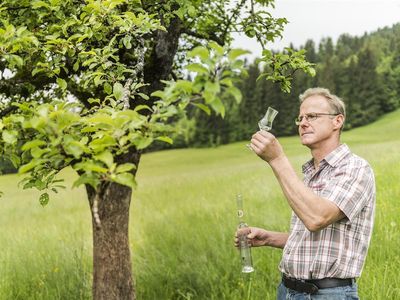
(183, 218)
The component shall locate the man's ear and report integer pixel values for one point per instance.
(338, 121)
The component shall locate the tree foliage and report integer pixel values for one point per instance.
(78, 90)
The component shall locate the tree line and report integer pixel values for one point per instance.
(364, 71)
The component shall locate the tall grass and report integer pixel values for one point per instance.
(45, 252)
(183, 218)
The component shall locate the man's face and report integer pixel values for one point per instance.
(313, 133)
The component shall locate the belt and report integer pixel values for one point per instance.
(311, 286)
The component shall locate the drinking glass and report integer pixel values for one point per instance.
(266, 122)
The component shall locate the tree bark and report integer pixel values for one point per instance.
(112, 265)
(159, 65)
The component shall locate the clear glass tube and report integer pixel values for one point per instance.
(245, 249)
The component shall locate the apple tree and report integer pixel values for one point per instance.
(90, 84)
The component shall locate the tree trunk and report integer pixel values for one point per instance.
(110, 202)
(112, 265)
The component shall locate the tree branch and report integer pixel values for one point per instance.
(8, 110)
(235, 12)
(80, 94)
(211, 36)
(17, 8)
(259, 39)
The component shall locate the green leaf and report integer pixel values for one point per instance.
(37, 152)
(203, 107)
(212, 87)
(144, 96)
(32, 144)
(266, 55)
(86, 178)
(10, 136)
(94, 100)
(30, 184)
(198, 68)
(15, 160)
(125, 168)
(105, 157)
(90, 166)
(216, 47)
(199, 51)
(218, 106)
(98, 145)
(192, 11)
(180, 12)
(98, 80)
(249, 31)
(311, 72)
(37, 70)
(143, 142)
(74, 148)
(127, 42)
(226, 82)
(44, 199)
(159, 94)
(234, 53)
(236, 93)
(101, 118)
(185, 85)
(118, 91)
(38, 4)
(76, 66)
(165, 139)
(61, 83)
(208, 97)
(108, 88)
(29, 166)
(126, 179)
(15, 60)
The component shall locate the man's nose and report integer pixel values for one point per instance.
(304, 122)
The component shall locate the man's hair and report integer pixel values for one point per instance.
(337, 105)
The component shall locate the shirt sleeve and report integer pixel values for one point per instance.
(351, 188)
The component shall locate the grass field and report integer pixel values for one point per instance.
(183, 218)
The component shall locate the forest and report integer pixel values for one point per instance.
(364, 71)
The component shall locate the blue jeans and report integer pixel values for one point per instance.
(338, 293)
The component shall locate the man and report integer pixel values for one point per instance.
(333, 207)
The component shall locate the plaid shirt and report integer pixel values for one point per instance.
(339, 250)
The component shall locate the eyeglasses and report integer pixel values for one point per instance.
(311, 117)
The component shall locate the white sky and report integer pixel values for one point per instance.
(316, 19)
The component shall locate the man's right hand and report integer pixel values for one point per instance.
(257, 237)
(266, 146)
